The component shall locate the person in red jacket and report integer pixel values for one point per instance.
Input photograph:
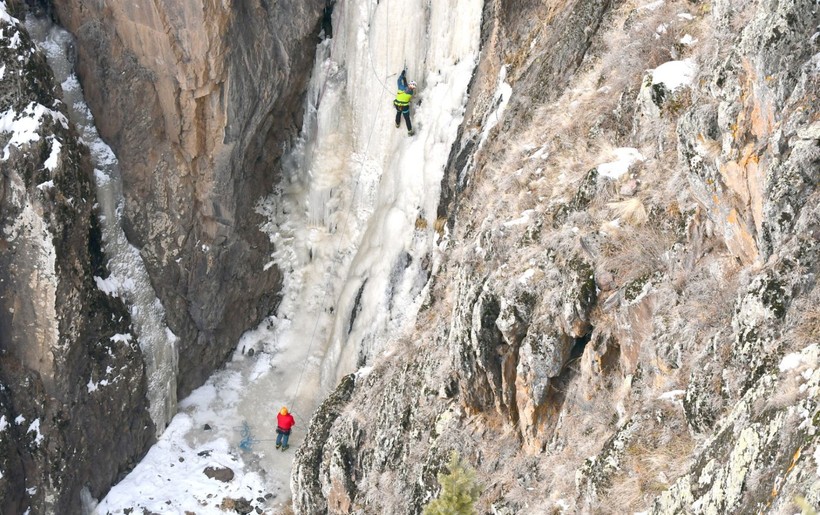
(284, 421)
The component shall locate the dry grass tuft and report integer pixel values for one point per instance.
(808, 328)
(636, 252)
(285, 510)
(631, 211)
(646, 39)
(440, 224)
(708, 292)
(659, 453)
(741, 13)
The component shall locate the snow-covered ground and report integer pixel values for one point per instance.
(353, 223)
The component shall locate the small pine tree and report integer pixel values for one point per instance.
(805, 507)
(459, 490)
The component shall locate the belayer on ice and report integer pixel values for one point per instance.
(284, 422)
(402, 102)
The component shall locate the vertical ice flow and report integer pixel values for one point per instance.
(128, 278)
(344, 225)
(439, 43)
(353, 221)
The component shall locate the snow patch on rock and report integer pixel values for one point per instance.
(625, 157)
(675, 74)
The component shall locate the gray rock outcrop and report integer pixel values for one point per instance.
(647, 340)
(73, 408)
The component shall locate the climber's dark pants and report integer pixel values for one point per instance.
(406, 112)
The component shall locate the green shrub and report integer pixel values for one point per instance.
(805, 507)
(459, 490)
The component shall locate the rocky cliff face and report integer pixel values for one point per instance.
(197, 100)
(624, 316)
(73, 409)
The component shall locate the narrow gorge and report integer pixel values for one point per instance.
(590, 273)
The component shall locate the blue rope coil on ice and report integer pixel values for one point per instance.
(247, 441)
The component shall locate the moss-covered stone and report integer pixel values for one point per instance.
(585, 279)
(595, 475)
(586, 191)
(633, 289)
(773, 294)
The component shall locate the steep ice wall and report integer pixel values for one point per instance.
(70, 369)
(622, 318)
(396, 177)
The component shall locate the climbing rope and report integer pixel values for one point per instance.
(247, 441)
(370, 47)
(246, 437)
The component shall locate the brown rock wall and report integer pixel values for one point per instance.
(198, 101)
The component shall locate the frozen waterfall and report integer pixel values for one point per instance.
(353, 226)
(355, 218)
